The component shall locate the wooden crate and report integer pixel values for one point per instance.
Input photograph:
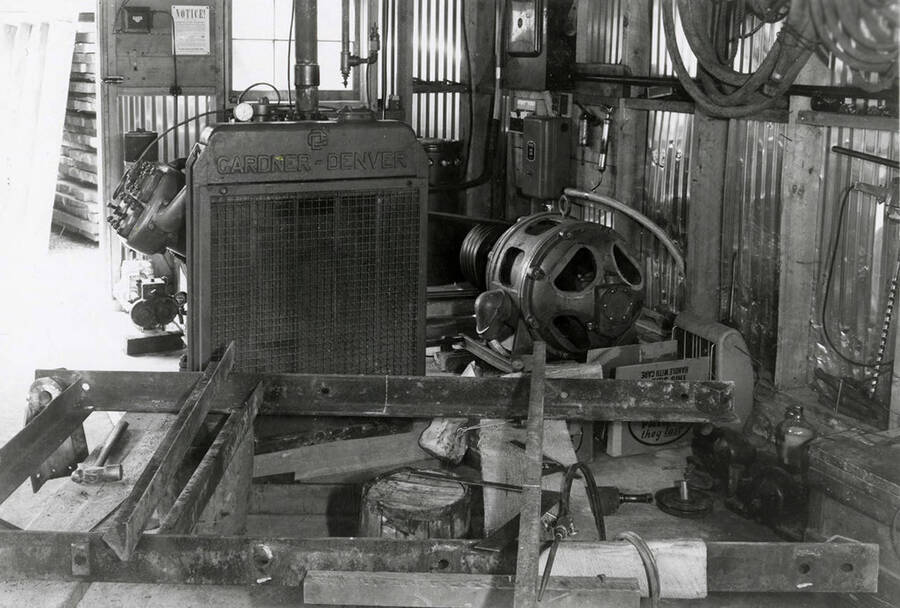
(855, 493)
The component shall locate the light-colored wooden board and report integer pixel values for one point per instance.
(681, 563)
(338, 457)
(332, 588)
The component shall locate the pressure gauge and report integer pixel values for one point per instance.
(243, 112)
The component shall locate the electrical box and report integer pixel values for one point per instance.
(540, 45)
(546, 145)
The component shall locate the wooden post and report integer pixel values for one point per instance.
(801, 182)
(704, 221)
(894, 415)
(631, 125)
(404, 41)
(530, 519)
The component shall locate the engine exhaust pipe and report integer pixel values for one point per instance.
(306, 68)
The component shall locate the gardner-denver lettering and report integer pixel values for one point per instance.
(304, 163)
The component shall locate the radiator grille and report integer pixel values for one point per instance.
(317, 282)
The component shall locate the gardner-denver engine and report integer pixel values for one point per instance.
(304, 238)
(568, 282)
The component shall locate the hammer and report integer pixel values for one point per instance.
(98, 471)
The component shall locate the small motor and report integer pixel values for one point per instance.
(571, 283)
(156, 308)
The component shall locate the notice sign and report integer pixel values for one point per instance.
(191, 29)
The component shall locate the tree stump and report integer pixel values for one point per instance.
(406, 506)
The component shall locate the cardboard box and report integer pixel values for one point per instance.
(628, 438)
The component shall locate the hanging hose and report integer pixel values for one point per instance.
(637, 216)
(752, 93)
(872, 49)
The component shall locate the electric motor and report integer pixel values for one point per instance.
(572, 283)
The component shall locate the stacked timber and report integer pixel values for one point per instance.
(77, 206)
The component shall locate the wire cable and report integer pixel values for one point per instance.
(649, 560)
(836, 239)
(257, 84)
(290, 37)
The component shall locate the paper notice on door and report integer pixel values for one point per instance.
(191, 29)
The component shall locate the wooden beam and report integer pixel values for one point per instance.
(343, 456)
(801, 183)
(894, 414)
(846, 121)
(704, 221)
(23, 454)
(129, 521)
(530, 517)
(186, 511)
(419, 396)
(334, 588)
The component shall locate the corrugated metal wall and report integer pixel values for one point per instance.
(866, 256)
(602, 39)
(666, 197)
(437, 58)
(751, 229)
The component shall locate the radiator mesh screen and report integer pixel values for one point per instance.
(321, 282)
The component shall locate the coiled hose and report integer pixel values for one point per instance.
(751, 93)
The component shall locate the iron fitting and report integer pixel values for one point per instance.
(306, 74)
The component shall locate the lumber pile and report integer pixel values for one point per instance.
(77, 205)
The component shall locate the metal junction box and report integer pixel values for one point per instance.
(306, 246)
(546, 144)
(540, 45)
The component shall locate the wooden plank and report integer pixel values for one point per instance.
(801, 183)
(77, 191)
(333, 588)
(84, 226)
(82, 104)
(703, 285)
(31, 446)
(129, 521)
(87, 158)
(658, 105)
(84, 88)
(79, 140)
(846, 121)
(68, 170)
(421, 397)
(185, 513)
(681, 563)
(347, 456)
(74, 507)
(525, 595)
(77, 121)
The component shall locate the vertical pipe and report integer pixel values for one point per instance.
(306, 68)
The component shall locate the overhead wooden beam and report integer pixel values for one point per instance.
(420, 396)
(24, 453)
(334, 588)
(525, 595)
(189, 505)
(129, 521)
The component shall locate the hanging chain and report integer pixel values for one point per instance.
(885, 329)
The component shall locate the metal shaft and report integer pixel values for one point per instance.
(306, 69)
